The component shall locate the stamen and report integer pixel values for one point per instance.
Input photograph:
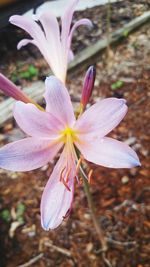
(90, 176)
(65, 184)
(61, 174)
(67, 179)
(78, 165)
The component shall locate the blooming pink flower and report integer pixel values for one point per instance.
(53, 44)
(58, 128)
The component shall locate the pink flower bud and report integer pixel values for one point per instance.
(10, 89)
(88, 85)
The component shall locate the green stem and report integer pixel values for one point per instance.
(93, 215)
(96, 223)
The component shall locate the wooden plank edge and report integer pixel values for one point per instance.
(91, 55)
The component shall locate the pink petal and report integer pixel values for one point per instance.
(52, 34)
(109, 153)
(29, 25)
(57, 199)
(28, 154)
(102, 117)
(80, 22)
(10, 89)
(25, 42)
(54, 53)
(66, 22)
(70, 56)
(35, 122)
(51, 28)
(58, 101)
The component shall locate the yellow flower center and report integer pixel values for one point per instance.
(69, 134)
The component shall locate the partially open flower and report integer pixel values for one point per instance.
(10, 89)
(53, 43)
(57, 128)
(88, 86)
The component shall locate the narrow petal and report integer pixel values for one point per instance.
(66, 37)
(51, 28)
(102, 117)
(109, 153)
(81, 22)
(35, 122)
(25, 42)
(29, 25)
(66, 21)
(58, 101)
(54, 53)
(70, 55)
(52, 34)
(35, 31)
(57, 199)
(28, 154)
(10, 89)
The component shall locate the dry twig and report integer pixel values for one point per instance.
(32, 261)
(61, 250)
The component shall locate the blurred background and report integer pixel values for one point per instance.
(119, 47)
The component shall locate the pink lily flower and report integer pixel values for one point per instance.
(58, 128)
(52, 43)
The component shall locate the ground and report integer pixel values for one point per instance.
(121, 197)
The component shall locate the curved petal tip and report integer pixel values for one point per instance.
(13, 18)
(135, 162)
(53, 214)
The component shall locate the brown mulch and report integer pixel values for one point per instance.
(122, 197)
